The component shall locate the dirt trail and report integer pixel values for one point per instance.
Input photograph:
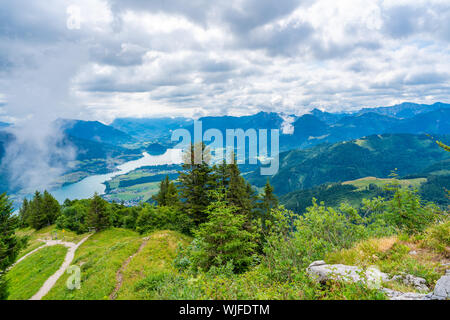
(48, 285)
(119, 274)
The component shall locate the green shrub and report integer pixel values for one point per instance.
(224, 238)
(73, 218)
(437, 237)
(153, 218)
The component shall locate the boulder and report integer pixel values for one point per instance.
(442, 288)
(419, 283)
(397, 295)
(323, 272)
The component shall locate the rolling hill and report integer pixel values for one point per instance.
(376, 155)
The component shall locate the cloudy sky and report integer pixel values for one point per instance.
(100, 59)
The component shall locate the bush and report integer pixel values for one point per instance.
(437, 237)
(224, 238)
(293, 242)
(153, 218)
(73, 218)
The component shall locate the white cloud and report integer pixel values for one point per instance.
(201, 57)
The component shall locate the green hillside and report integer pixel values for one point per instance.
(29, 275)
(352, 192)
(376, 155)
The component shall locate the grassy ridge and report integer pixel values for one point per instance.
(363, 183)
(26, 278)
(100, 257)
(35, 237)
(156, 258)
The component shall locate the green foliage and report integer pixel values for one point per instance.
(267, 202)
(437, 237)
(238, 192)
(223, 238)
(153, 218)
(73, 218)
(168, 194)
(369, 156)
(295, 241)
(405, 211)
(27, 277)
(40, 212)
(9, 245)
(196, 180)
(98, 216)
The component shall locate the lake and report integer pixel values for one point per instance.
(87, 187)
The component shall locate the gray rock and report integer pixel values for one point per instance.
(410, 280)
(397, 295)
(323, 272)
(442, 288)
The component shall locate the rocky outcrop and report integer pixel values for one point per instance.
(322, 272)
(397, 295)
(419, 283)
(442, 288)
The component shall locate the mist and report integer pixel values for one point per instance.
(37, 94)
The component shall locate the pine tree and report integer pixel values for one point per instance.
(42, 211)
(167, 195)
(25, 213)
(161, 196)
(98, 215)
(37, 214)
(172, 199)
(268, 202)
(196, 180)
(223, 238)
(50, 208)
(239, 192)
(223, 175)
(9, 245)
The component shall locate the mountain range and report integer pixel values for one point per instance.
(309, 129)
(375, 155)
(313, 150)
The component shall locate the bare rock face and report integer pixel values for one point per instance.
(442, 288)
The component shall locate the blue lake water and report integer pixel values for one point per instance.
(87, 187)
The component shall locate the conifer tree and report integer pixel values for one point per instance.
(160, 197)
(223, 175)
(37, 216)
(268, 202)
(167, 195)
(50, 208)
(196, 180)
(239, 192)
(224, 238)
(172, 199)
(9, 245)
(98, 215)
(24, 214)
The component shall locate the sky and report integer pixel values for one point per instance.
(102, 59)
